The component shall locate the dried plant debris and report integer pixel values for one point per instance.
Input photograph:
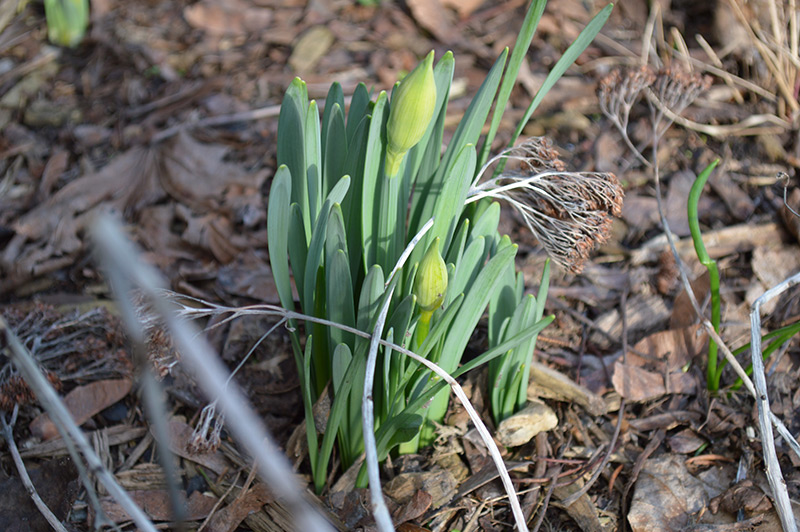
(72, 348)
(569, 212)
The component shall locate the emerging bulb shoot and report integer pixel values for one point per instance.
(411, 112)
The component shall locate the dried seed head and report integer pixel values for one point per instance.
(677, 88)
(569, 212)
(619, 91)
(206, 435)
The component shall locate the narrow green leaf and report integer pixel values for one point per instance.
(278, 223)
(335, 98)
(313, 161)
(358, 110)
(371, 292)
(467, 269)
(373, 172)
(298, 250)
(291, 145)
(570, 55)
(339, 283)
(334, 147)
(521, 47)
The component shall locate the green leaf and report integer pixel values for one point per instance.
(334, 147)
(570, 55)
(371, 292)
(291, 145)
(278, 223)
(383, 434)
(459, 241)
(313, 161)
(454, 193)
(338, 281)
(335, 98)
(359, 104)
(467, 269)
(521, 47)
(351, 205)
(298, 250)
(308, 408)
(373, 164)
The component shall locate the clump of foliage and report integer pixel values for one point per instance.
(366, 207)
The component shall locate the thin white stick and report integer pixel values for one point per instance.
(379, 509)
(48, 398)
(773, 468)
(211, 375)
(8, 434)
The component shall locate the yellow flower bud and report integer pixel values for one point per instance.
(430, 283)
(412, 107)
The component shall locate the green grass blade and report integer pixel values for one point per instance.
(521, 47)
(565, 61)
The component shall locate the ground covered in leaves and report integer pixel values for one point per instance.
(166, 116)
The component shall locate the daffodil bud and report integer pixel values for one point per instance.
(430, 283)
(413, 103)
(67, 21)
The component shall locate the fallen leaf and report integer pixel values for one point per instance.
(227, 17)
(669, 350)
(229, 518)
(744, 495)
(310, 48)
(414, 508)
(683, 314)
(180, 435)
(156, 505)
(83, 403)
(464, 8)
(667, 497)
(637, 384)
(685, 442)
(433, 17)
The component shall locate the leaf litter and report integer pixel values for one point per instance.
(74, 133)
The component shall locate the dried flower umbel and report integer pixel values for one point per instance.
(670, 89)
(569, 212)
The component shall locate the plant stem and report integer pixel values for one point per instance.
(713, 373)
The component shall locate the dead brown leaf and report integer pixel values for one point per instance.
(83, 403)
(156, 505)
(227, 17)
(431, 15)
(229, 518)
(180, 436)
(414, 508)
(637, 384)
(668, 497)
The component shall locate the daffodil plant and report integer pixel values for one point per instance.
(352, 191)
